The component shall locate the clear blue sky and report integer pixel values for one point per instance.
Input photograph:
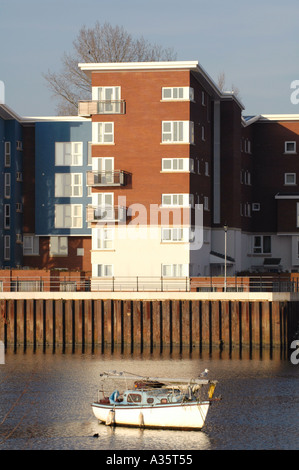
(256, 43)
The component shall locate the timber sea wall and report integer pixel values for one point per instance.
(137, 321)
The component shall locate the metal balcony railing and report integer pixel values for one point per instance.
(106, 178)
(88, 108)
(105, 214)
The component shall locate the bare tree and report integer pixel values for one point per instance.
(100, 44)
(222, 85)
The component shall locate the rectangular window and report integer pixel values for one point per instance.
(206, 203)
(105, 270)
(108, 98)
(177, 93)
(290, 147)
(103, 132)
(178, 131)
(7, 155)
(180, 200)
(68, 153)
(175, 270)
(104, 239)
(7, 185)
(174, 234)
(68, 185)
(177, 164)
(6, 247)
(58, 246)
(290, 178)
(6, 216)
(30, 245)
(262, 244)
(68, 216)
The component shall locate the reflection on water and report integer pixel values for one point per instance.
(45, 400)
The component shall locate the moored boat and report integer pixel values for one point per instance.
(156, 402)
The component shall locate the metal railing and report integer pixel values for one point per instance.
(88, 108)
(106, 178)
(67, 283)
(105, 214)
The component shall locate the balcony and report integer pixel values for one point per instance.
(88, 108)
(95, 214)
(106, 178)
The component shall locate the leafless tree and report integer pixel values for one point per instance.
(100, 44)
(222, 84)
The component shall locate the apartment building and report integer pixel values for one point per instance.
(46, 192)
(159, 125)
(159, 177)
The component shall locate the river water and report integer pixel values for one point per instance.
(45, 401)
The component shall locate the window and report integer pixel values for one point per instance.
(262, 244)
(6, 216)
(177, 200)
(175, 270)
(68, 216)
(89, 157)
(203, 98)
(206, 203)
(177, 164)
(7, 187)
(19, 207)
(207, 168)
(68, 184)
(256, 206)
(104, 239)
(177, 93)
(203, 133)
(7, 157)
(109, 99)
(174, 234)
(290, 147)
(134, 398)
(58, 246)
(177, 131)
(30, 245)
(6, 247)
(289, 178)
(19, 176)
(103, 132)
(68, 153)
(105, 270)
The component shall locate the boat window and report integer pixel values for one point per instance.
(134, 398)
(150, 400)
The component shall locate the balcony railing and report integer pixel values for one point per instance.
(106, 178)
(104, 214)
(88, 108)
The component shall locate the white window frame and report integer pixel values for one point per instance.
(68, 153)
(105, 270)
(101, 134)
(74, 219)
(6, 247)
(62, 246)
(177, 165)
(177, 200)
(175, 270)
(182, 93)
(7, 154)
(30, 245)
(7, 185)
(6, 216)
(174, 234)
(177, 132)
(288, 175)
(68, 190)
(259, 249)
(287, 142)
(103, 238)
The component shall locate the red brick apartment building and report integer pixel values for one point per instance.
(181, 142)
(170, 153)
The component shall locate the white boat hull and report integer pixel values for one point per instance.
(171, 416)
